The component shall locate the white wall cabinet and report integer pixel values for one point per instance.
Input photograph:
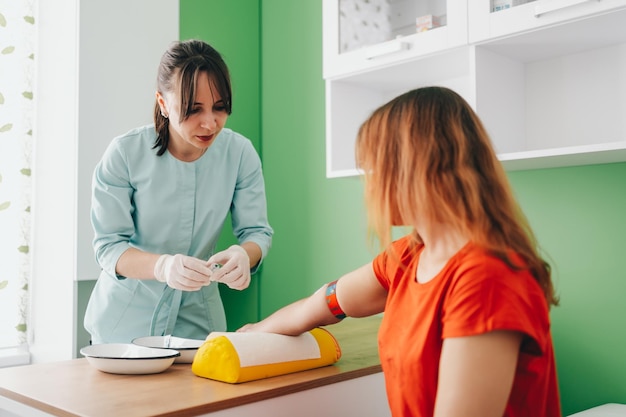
(547, 77)
(364, 34)
(533, 15)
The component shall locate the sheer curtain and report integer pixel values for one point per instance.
(17, 72)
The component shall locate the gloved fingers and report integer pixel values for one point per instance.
(212, 268)
(239, 282)
(199, 278)
(195, 264)
(233, 252)
(180, 285)
(218, 273)
(235, 267)
(191, 273)
(220, 258)
(237, 278)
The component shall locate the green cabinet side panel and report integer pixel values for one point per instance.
(578, 213)
(233, 28)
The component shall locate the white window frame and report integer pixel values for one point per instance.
(53, 294)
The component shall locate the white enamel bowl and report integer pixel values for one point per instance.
(186, 347)
(127, 358)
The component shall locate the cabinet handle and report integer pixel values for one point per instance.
(386, 49)
(545, 7)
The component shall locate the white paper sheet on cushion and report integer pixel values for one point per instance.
(256, 348)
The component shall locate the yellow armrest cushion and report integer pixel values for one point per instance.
(219, 360)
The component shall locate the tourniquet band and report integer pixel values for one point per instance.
(331, 301)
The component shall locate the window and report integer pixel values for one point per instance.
(17, 65)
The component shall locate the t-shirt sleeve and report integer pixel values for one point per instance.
(379, 265)
(387, 265)
(486, 295)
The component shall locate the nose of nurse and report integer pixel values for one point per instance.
(209, 121)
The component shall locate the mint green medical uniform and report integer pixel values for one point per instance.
(160, 204)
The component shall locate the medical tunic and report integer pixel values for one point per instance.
(162, 205)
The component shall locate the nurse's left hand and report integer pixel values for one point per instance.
(235, 269)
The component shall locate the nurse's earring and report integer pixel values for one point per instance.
(162, 104)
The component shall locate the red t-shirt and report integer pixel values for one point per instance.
(474, 293)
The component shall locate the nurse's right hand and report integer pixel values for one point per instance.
(182, 272)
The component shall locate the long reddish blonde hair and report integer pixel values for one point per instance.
(426, 153)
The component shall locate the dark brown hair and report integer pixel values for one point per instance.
(427, 153)
(178, 71)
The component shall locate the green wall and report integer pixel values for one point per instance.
(233, 28)
(579, 213)
(319, 223)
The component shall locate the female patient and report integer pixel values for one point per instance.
(465, 294)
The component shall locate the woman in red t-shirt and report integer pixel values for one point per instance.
(465, 295)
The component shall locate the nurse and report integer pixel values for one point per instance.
(161, 196)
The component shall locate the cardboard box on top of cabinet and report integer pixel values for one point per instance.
(427, 22)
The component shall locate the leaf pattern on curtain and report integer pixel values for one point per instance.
(17, 66)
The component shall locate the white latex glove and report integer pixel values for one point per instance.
(182, 272)
(235, 269)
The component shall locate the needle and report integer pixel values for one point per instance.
(214, 268)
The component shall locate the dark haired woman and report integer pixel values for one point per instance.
(161, 195)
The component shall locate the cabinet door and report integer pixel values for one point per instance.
(489, 19)
(549, 81)
(365, 34)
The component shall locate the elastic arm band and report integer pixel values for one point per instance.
(331, 301)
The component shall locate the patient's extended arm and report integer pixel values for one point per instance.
(358, 294)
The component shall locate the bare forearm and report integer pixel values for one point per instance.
(358, 294)
(136, 264)
(254, 252)
(298, 317)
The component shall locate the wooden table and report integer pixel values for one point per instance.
(75, 388)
